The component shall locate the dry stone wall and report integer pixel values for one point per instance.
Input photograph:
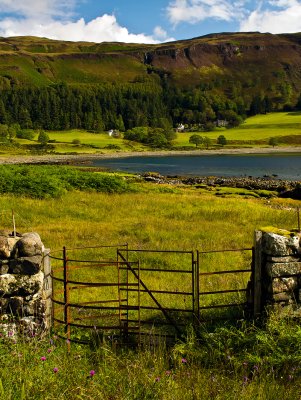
(24, 295)
(280, 271)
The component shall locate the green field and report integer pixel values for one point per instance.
(229, 362)
(257, 130)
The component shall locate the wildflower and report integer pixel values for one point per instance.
(55, 370)
(43, 358)
(92, 373)
(157, 379)
(183, 361)
(256, 368)
(245, 364)
(10, 334)
(49, 351)
(167, 373)
(245, 380)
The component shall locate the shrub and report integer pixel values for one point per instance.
(53, 181)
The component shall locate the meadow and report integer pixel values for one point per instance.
(246, 359)
(257, 130)
(254, 132)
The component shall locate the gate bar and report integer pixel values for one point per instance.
(150, 294)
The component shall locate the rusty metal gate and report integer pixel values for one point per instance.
(133, 295)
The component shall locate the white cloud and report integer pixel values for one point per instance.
(193, 11)
(100, 29)
(41, 8)
(285, 18)
(161, 35)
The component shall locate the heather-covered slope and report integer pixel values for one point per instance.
(218, 76)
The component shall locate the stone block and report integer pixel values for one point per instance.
(35, 307)
(283, 297)
(284, 285)
(285, 259)
(282, 269)
(4, 247)
(29, 245)
(26, 265)
(3, 305)
(21, 285)
(15, 306)
(275, 245)
(4, 267)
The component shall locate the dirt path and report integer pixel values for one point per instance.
(72, 158)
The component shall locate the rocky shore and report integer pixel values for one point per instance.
(284, 188)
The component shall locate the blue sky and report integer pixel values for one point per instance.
(142, 21)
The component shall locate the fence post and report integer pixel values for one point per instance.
(66, 297)
(257, 267)
(48, 288)
(198, 284)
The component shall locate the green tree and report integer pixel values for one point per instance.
(196, 139)
(206, 141)
(273, 141)
(43, 137)
(221, 140)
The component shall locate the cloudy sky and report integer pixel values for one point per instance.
(147, 21)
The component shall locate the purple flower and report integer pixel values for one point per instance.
(43, 358)
(92, 373)
(183, 361)
(55, 370)
(167, 372)
(10, 333)
(256, 368)
(245, 380)
(49, 350)
(157, 379)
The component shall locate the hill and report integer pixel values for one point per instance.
(191, 81)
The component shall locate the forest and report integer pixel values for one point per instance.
(124, 106)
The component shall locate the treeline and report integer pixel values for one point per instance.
(123, 106)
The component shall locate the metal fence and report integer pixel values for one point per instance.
(133, 295)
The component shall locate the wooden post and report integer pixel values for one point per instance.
(48, 289)
(14, 224)
(66, 298)
(257, 268)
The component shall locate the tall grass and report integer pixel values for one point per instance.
(223, 362)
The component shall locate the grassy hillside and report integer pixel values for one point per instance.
(257, 130)
(248, 61)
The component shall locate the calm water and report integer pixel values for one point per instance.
(284, 166)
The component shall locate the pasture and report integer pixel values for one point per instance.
(255, 130)
(229, 362)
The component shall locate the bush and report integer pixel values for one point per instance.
(53, 181)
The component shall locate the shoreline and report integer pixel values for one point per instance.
(82, 158)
